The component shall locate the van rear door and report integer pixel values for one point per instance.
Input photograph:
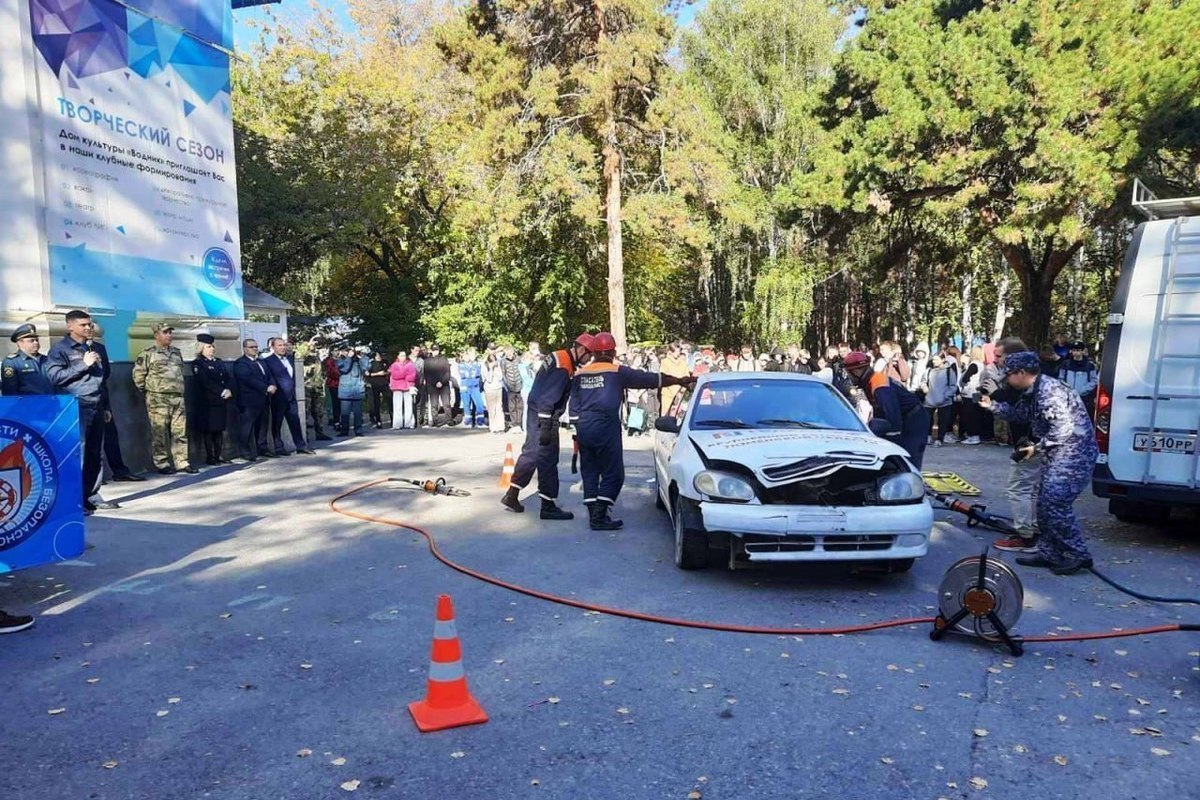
(1155, 381)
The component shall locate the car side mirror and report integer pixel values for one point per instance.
(666, 425)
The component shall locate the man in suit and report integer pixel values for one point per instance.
(282, 369)
(253, 392)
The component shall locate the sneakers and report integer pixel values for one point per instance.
(951, 438)
(936, 443)
(1016, 544)
(1036, 561)
(971, 440)
(10, 623)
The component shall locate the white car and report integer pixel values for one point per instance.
(776, 466)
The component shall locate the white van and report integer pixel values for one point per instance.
(1148, 401)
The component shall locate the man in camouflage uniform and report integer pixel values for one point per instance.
(158, 374)
(314, 393)
(1063, 434)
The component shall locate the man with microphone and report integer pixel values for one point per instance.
(75, 365)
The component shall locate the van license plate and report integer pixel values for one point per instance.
(1181, 443)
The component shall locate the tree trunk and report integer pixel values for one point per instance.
(1001, 306)
(968, 331)
(616, 255)
(1037, 278)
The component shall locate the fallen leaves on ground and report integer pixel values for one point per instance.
(1158, 751)
(1060, 760)
(305, 665)
(979, 783)
(110, 764)
(93, 680)
(162, 712)
(457, 754)
(337, 762)
(54, 712)
(351, 786)
(980, 732)
(303, 752)
(553, 700)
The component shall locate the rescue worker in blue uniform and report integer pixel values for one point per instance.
(597, 394)
(543, 409)
(1063, 434)
(900, 415)
(470, 389)
(24, 372)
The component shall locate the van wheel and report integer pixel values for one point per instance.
(691, 544)
(1138, 513)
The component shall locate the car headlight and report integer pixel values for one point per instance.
(723, 486)
(906, 487)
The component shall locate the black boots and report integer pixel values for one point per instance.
(512, 501)
(600, 520)
(550, 510)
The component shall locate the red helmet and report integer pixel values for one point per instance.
(603, 342)
(584, 340)
(856, 359)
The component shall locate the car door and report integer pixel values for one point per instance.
(665, 443)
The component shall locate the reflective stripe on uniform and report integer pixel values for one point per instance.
(446, 672)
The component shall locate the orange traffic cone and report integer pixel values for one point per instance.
(510, 467)
(447, 703)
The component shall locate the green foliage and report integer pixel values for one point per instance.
(444, 174)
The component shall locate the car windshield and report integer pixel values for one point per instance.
(751, 403)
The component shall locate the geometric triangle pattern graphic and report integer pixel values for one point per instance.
(91, 37)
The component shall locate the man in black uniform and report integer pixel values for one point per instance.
(77, 365)
(547, 401)
(437, 387)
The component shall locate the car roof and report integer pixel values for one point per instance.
(721, 377)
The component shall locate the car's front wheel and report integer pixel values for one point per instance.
(691, 543)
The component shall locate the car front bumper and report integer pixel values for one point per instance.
(824, 533)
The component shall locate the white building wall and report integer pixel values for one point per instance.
(24, 270)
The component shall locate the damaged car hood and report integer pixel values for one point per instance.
(782, 456)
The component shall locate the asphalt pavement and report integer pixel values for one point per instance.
(230, 637)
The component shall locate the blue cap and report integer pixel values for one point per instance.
(1024, 360)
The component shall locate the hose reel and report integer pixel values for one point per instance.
(982, 598)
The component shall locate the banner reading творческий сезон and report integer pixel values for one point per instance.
(141, 200)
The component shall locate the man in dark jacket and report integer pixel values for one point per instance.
(77, 365)
(284, 405)
(547, 402)
(437, 387)
(253, 389)
(1078, 372)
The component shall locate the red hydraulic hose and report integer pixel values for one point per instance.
(691, 623)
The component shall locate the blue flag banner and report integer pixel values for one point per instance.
(41, 481)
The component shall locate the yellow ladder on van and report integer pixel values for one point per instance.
(1169, 288)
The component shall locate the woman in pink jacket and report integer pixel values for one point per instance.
(402, 378)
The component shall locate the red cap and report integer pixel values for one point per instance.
(585, 340)
(603, 341)
(856, 359)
